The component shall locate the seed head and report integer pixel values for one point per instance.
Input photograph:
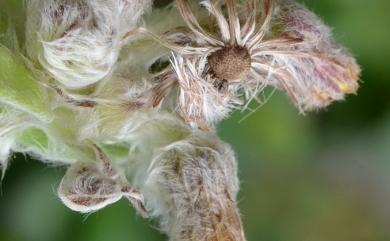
(230, 63)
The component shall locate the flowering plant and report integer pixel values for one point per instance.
(129, 97)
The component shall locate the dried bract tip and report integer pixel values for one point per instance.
(317, 71)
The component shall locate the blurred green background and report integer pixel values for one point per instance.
(320, 177)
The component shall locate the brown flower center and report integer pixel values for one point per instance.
(230, 63)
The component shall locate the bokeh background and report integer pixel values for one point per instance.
(324, 176)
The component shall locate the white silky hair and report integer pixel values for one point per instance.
(80, 39)
(7, 143)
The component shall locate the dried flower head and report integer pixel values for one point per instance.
(263, 43)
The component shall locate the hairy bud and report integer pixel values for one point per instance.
(81, 39)
(191, 187)
(90, 186)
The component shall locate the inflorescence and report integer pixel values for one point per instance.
(129, 97)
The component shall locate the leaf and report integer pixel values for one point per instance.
(19, 89)
(47, 147)
(116, 152)
(3, 26)
(7, 34)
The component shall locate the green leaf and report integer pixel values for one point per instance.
(19, 89)
(3, 30)
(116, 151)
(3, 25)
(38, 142)
(34, 137)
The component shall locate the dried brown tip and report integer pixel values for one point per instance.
(230, 63)
(165, 83)
(75, 102)
(191, 21)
